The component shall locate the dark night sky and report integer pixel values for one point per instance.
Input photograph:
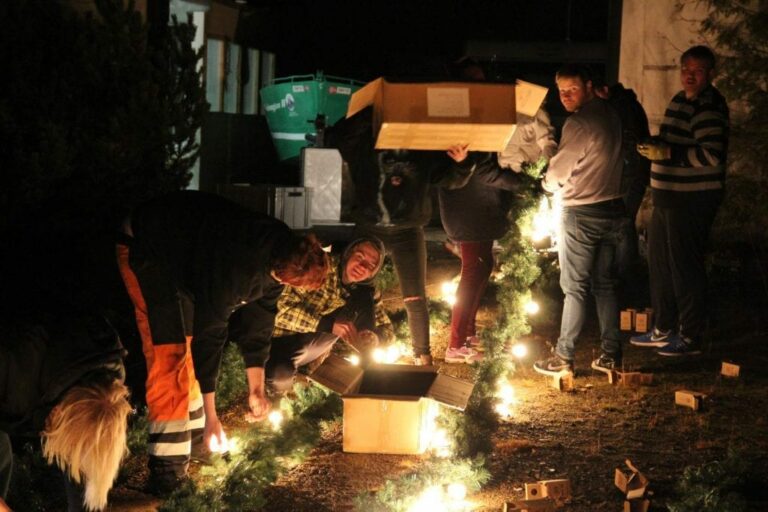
(363, 39)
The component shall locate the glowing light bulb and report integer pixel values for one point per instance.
(503, 410)
(379, 354)
(354, 359)
(519, 350)
(448, 290)
(275, 419)
(506, 393)
(430, 499)
(532, 307)
(392, 354)
(457, 492)
(439, 443)
(219, 444)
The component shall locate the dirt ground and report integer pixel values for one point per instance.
(581, 435)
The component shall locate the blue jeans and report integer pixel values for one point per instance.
(588, 251)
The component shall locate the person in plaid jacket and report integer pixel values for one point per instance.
(346, 306)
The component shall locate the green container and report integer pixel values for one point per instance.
(293, 103)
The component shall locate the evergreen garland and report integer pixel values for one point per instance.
(237, 482)
(714, 487)
(399, 495)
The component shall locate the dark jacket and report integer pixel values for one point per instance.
(634, 124)
(391, 186)
(43, 357)
(478, 211)
(219, 256)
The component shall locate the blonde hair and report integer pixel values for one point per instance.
(85, 435)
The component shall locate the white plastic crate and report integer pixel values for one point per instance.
(293, 206)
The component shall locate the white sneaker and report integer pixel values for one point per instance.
(462, 355)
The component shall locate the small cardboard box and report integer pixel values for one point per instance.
(643, 321)
(437, 115)
(563, 381)
(637, 505)
(540, 505)
(390, 408)
(691, 399)
(558, 490)
(634, 379)
(627, 319)
(730, 369)
(633, 484)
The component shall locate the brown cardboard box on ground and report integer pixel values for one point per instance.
(563, 381)
(643, 321)
(558, 490)
(627, 319)
(437, 115)
(730, 370)
(541, 505)
(633, 379)
(691, 399)
(390, 408)
(637, 505)
(633, 484)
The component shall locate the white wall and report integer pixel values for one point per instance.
(654, 33)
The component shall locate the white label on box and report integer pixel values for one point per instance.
(447, 102)
(298, 88)
(342, 90)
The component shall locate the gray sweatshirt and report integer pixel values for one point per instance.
(588, 163)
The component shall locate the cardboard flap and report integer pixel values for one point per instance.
(632, 485)
(364, 97)
(338, 374)
(529, 97)
(451, 391)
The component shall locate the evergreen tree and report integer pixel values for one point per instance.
(738, 30)
(93, 118)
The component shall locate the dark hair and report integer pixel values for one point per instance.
(302, 262)
(699, 52)
(574, 71)
(461, 69)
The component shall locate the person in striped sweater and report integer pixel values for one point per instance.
(687, 185)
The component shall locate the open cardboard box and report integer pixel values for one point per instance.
(437, 115)
(633, 484)
(390, 408)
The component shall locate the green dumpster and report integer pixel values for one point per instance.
(292, 104)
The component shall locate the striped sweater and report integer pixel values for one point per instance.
(697, 131)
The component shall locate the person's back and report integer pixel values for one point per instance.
(589, 160)
(634, 122)
(195, 233)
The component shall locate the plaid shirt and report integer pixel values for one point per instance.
(300, 311)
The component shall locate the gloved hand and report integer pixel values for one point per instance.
(655, 149)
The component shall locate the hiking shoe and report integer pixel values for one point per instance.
(606, 363)
(474, 343)
(462, 355)
(679, 346)
(553, 365)
(653, 338)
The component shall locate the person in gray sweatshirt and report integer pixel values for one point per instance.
(587, 172)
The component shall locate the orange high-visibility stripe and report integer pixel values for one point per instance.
(171, 379)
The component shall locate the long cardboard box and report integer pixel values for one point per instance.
(437, 115)
(390, 408)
